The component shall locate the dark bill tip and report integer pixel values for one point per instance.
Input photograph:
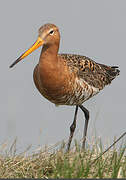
(15, 62)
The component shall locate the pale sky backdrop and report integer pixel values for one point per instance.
(96, 29)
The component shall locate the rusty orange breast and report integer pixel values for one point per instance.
(52, 80)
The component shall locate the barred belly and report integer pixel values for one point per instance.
(81, 92)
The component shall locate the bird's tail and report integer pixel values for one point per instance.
(113, 72)
(110, 72)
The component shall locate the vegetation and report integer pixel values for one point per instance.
(55, 163)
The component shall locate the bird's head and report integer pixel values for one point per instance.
(48, 34)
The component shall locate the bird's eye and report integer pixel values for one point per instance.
(51, 32)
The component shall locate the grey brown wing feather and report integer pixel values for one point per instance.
(95, 74)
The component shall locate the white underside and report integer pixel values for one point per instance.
(81, 96)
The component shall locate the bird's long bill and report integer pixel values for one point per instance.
(37, 44)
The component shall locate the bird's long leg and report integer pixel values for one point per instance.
(72, 129)
(86, 113)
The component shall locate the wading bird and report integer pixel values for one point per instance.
(67, 79)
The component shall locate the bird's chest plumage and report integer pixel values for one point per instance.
(61, 86)
(51, 82)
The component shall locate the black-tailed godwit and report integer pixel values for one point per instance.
(67, 79)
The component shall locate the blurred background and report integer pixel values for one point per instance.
(96, 29)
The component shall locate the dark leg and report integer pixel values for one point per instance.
(86, 113)
(72, 129)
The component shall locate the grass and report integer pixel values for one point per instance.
(55, 163)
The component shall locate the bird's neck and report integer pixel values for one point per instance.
(48, 66)
(49, 54)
